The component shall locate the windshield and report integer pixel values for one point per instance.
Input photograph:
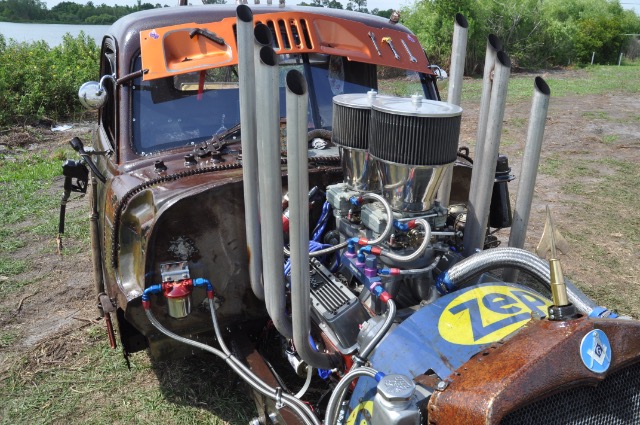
(196, 107)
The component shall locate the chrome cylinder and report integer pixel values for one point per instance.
(268, 121)
(351, 118)
(484, 171)
(414, 141)
(410, 188)
(456, 72)
(297, 104)
(247, 83)
(494, 45)
(529, 170)
(359, 170)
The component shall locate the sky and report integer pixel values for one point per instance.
(371, 4)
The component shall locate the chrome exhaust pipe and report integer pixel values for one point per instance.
(458, 54)
(247, 82)
(529, 171)
(494, 45)
(456, 72)
(483, 175)
(297, 105)
(269, 170)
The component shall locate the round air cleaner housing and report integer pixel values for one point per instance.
(351, 116)
(413, 141)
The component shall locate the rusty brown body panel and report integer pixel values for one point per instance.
(542, 359)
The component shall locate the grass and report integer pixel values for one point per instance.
(594, 80)
(81, 380)
(610, 196)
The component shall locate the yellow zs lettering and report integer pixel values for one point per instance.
(488, 314)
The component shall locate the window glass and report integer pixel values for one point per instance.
(196, 107)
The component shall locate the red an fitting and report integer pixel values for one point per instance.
(376, 250)
(384, 297)
(363, 241)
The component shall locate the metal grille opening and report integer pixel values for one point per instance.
(295, 33)
(305, 33)
(615, 401)
(285, 36)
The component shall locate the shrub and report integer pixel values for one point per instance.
(37, 81)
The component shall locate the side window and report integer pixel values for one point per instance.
(108, 111)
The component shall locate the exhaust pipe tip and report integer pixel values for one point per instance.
(244, 13)
(296, 82)
(494, 42)
(462, 21)
(541, 85)
(263, 35)
(504, 59)
(268, 56)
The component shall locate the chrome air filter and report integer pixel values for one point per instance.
(351, 116)
(413, 140)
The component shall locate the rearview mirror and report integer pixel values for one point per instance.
(92, 95)
(440, 73)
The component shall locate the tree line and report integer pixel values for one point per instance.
(535, 33)
(66, 12)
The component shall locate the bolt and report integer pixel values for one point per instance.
(441, 385)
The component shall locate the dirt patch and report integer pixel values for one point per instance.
(54, 295)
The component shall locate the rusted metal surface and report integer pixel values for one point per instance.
(542, 359)
(258, 366)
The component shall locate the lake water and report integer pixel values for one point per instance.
(51, 33)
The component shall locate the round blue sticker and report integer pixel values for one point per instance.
(595, 351)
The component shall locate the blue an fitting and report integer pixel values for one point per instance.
(375, 287)
(365, 250)
(356, 200)
(403, 227)
(203, 282)
(444, 285)
(351, 245)
(153, 289)
(602, 312)
(379, 376)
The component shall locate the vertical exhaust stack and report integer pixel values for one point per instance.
(247, 83)
(529, 172)
(297, 105)
(494, 45)
(484, 168)
(268, 121)
(456, 72)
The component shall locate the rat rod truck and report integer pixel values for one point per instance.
(259, 192)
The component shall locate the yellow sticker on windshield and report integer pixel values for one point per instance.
(488, 314)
